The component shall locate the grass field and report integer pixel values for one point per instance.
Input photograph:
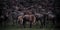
(18, 28)
(35, 27)
(27, 29)
(14, 28)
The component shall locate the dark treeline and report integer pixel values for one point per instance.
(57, 12)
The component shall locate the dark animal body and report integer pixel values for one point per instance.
(29, 18)
(51, 18)
(40, 17)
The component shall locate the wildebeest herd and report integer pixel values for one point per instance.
(28, 16)
(32, 18)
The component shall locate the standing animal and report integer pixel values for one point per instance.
(40, 17)
(20, 19)
(30, 18)
(52, 18)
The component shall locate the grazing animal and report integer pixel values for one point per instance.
(52, 18)
(29, 18)
(40, 17)
(20, 19)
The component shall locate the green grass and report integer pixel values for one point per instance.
(26, 29)
(17, 28)
(35, 27)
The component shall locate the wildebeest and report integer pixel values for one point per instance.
(40, 17)
(16, 16)
(20, 19)
(30, 18)
(51, 17)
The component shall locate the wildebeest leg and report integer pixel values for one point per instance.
(44, 23)
(41, 23)
(30, 24)
(54, 21)
(44, 20)
(24, 23)
(13, 22)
